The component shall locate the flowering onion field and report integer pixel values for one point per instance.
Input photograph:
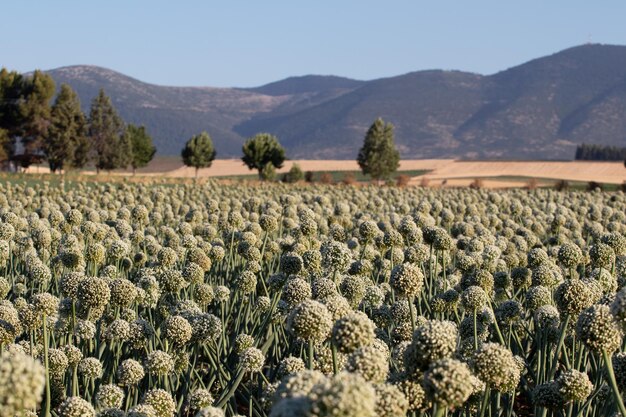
(270, 300)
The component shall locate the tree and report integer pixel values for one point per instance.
(67, 140)
(198, 152)
(295, 174)
(141, 143)
(11, 86)
(35, 115)
(106, 132)
(379, 157)
(261, 150)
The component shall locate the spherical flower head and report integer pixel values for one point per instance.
(123, 292)
(245, 282)
(390, 401)
(407, 279)
(130, 373)
(210, 412)
(200, 398)
(572, 297)
(90, 368)
(413, 392)
(322, 288)
(353, 331)
(159, 363)
(570, 255)
(370, 363)
(296, 290)
(206, 327)
(345, 394)
(203, 294)
(547, 317)
(547, 274)
(536, 257)
(598, 330)
(291, 407)
(619, 369)
(310, 321)
(473, 298)
(521, 277)
(432, 341)
(93, 293)
(162, 402)
(45, 303)
(252, 360)
(448, 383)
(142, 410)
(508, 312)
(495, 365)
(242, 342)
(57, 362)
(118, 330)
(335, 256)
(85, 330)
(111, 412)
(76, 407)
(574, 385)
(22, 381)
(177, 330)
(222, 293)
(548, 395)
(73, 354)
(602, 256)
(109, 396)
(290, 365)
(298, 384)
(193, 273)
(537, 296)
(291, 263)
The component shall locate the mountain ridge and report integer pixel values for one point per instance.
(538, 109)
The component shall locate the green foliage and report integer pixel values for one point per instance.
(142, 148)
(10, 118)
(379, 157)
(295, 174)
(35, 115)
(592, 152)
(262, 150)
(199, 152)
(67, 141)
(109, 146)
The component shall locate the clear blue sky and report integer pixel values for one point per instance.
(249, 43)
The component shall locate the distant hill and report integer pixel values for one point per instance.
(540, 109)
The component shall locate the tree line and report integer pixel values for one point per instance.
(378, 157)
(35, 128)
(591, 152)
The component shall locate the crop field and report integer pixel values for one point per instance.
(264, 299)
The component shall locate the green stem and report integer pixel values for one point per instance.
(609, 369)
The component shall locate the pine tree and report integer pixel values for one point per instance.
(106, 132)
(198, 152)
(11, 86)
(142, 149)
(261, 150)
(35, 113)
(64, 147)
(379, 157)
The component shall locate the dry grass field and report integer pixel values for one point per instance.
(441, 172)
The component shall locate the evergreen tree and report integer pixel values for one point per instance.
(141, 143)
(67, 140)
(262, 150)
(35, 113)
(11, 86)
(199, 152)
(379, 157)
(106, 132)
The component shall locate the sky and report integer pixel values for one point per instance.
(241, 43)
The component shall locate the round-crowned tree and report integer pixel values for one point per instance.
(262, 150)
(199, 152)
(379, 157)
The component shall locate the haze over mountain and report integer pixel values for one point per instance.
(540, 109)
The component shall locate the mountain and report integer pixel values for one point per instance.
(540, 109)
